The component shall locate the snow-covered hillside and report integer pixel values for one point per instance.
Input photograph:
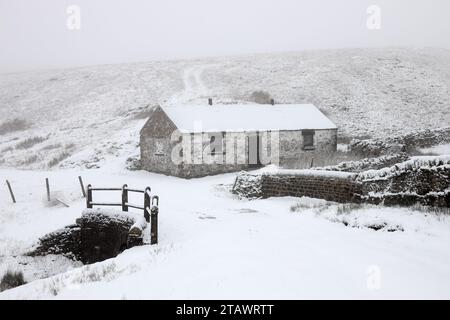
(375, 92)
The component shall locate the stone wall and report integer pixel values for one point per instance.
(98, 235)
(418, 181)
(332, 186)
(425, 181)
(291, 145)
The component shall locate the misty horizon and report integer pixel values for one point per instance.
(36, 36)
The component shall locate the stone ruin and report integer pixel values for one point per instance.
(98, 235)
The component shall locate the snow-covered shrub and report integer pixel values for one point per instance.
(437, 211)
(346, 208)
(30, 142)
(11, 279)
(54, 286)
(52, 146)
(261, 97)
(101, 272)
(57, 159)
(13, 126)
(29, 160)
(315, 205)
(133, 163)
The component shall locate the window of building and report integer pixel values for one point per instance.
(159, 148)
(216, 141)
(308, 139)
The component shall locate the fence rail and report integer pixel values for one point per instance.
(150, 207)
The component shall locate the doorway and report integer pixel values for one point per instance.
(254, 147)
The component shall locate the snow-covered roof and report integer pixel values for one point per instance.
(248, 117)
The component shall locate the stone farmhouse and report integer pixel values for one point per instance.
(191, 141)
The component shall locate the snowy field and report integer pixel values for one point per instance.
(212, 244)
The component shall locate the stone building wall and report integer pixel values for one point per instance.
(161, 162)
(157, 147)
(292, 151)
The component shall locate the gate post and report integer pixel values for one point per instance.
(83, 191)
(89, 197)
(47, 186)
(154, 221)
(147, 204)
(11, 191)
(124, 197)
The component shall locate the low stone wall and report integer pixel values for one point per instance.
(65, 241)
(332, 186)
(423, 180)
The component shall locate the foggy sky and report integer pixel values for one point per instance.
(34, 35)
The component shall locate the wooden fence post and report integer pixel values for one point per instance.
(47, 185)
(124, 197)
(82, 186)
(154, 221)
(89, 197)
(147, 204)
(11, 192)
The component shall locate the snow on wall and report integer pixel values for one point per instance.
(332, 186)
(424, 180)
(414, 164)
